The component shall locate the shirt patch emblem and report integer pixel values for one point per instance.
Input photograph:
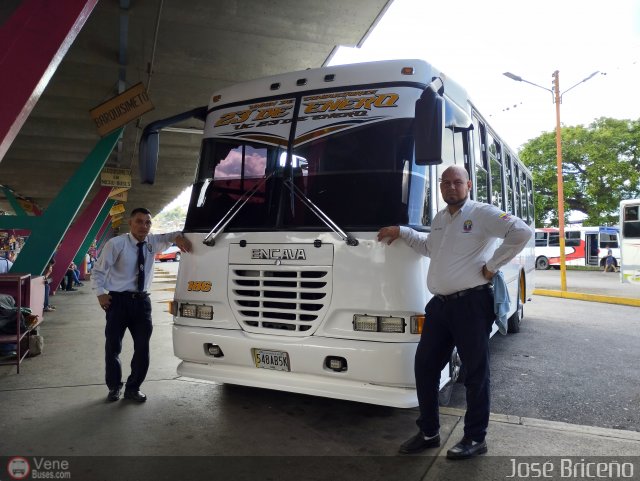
(505, 216)
(467, 225)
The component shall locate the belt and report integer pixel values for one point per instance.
(130, 295)
(456, 295)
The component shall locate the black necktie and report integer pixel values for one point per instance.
(141, 266)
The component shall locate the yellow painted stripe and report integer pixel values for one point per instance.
(625, 301)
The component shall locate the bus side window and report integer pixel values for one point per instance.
(541, 239)
(572, 239)
(554, 239)
(508, 178)
(631, 224)
(482, 177)
(608, 241)
(495, 169)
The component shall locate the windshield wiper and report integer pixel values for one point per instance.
(349, 239)
(210, 239)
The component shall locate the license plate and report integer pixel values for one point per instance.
(276, 360)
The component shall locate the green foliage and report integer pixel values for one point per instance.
(170, 220)
(601, 167)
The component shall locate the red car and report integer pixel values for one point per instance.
(171, 254)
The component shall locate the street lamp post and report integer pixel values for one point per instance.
(557, 98)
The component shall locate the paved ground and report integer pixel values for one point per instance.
(55, 411)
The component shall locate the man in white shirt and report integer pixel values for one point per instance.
(460, 313)
(121, 278)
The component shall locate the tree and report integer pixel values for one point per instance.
(601, 167)
(169, 220)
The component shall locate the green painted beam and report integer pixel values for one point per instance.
(47, 234)
(17, 208)
(104, 237)
(84, 248)
(27, 222)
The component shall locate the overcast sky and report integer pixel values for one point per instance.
(474, 42)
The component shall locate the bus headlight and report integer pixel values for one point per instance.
(204, 312)
(391, 324)
(364, 322)
(196, 311)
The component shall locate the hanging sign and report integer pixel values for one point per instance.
(121, 109)
(110, 177)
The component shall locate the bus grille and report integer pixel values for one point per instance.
(289, 299)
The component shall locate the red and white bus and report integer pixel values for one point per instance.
(584, 246)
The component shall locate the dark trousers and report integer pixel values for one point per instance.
(67, 281)
(464, 322)
(125, 313)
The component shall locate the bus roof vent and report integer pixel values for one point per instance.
(275, 86)
(329, 77)
(301, 81)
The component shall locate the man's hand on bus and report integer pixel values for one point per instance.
(488, 275)
(391, 233)
(183, 243)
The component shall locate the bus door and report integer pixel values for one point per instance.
(591, 241)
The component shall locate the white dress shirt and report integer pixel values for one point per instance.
(460, 245)
(117, 266)
(5, 265)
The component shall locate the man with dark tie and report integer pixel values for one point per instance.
(121, 278)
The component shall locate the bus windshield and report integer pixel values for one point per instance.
(362, 178)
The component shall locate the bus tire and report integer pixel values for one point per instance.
(542, 263)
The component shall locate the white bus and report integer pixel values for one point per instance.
(584, 246)
(287, 287)
(630, 240)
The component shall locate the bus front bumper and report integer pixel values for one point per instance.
(377, 372)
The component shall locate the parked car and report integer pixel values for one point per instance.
(171, 254)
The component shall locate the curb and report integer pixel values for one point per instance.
(625, 301)
(552, 425)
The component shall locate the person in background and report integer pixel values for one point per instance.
(121, 278)
(610, 262)
(462, 264)
(5, 265)
(47, 286)
(76, 275)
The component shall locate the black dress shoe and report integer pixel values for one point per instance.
(135, 396)
(419, 443)
(114, 395)
(466, 449)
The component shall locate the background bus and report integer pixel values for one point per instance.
(630, 240)
(584, 246)
(287, 287)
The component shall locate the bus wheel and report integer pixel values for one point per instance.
(542, 263)
(455, 365)
(513, 323)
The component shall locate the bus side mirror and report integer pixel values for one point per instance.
(428, 128)
(150, 142)
(149, 147)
